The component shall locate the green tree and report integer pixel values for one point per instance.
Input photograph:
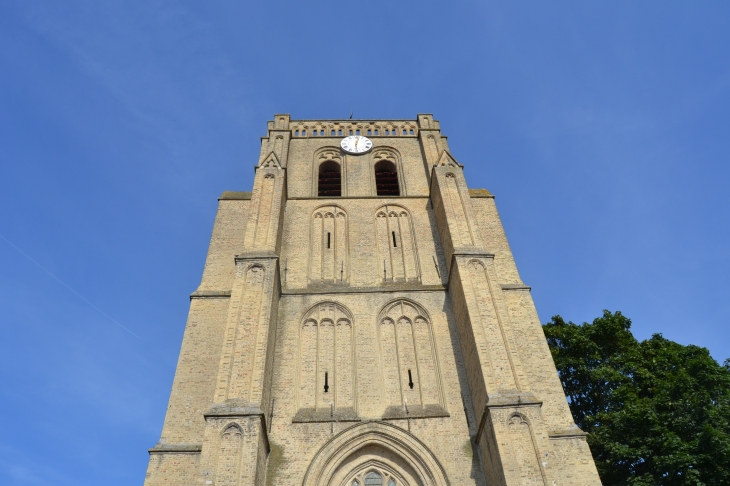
(658, 412)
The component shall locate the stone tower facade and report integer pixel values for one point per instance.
(361, 321)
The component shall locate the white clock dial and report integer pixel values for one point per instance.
(355, 144)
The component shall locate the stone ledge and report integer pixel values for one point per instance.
(480, 193)
(235, 196)
(569, 433)
(308, 415)
(176, 448)
(471, 252)
(233, 410)
(515, 287)
(344, 289)
(256, 255)
(330, 198)
(512, 399)
(210, 294)
(415, 412)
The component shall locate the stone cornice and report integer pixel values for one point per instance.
(334, 289)
(256, 255)
(210, 294)
(176, 449)
(415, 412)
(515, 287)
(336, 198)
(477, 193)
(471, 252)
(570, 433)
(308, 415)
(385, 288)
(235, 196)
(233, 410)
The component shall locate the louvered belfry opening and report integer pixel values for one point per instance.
(330, 179)
(386, 179)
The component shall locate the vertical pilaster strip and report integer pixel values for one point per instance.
(494, 371)
(246, 365)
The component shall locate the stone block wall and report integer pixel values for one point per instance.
(332, 338)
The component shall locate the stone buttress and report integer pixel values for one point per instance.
(378, 333)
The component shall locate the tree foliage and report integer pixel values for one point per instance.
(658, 412)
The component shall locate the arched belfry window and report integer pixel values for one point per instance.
(330, 179)
(386, 179)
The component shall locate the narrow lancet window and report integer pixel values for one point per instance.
(330, 179)
(386, 179)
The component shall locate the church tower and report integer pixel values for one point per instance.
(361, 321)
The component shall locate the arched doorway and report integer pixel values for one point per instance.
(375, 454)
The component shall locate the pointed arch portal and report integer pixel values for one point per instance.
(377, 447)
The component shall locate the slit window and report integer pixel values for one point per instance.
(330, 179)
(386, 179)
(326, 383)
(410, 379)
(395, 243)
(328, 239)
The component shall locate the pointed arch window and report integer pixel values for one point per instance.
(386, 179)
(326, 361)
(373, 479)
(330, 179)
(395, 243)
(409, 364)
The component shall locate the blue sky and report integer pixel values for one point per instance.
(602, 128)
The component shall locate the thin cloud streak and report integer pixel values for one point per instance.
(68, 287)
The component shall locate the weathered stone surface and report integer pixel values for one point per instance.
(336, 337)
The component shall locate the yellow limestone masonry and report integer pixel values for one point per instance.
(352, 338)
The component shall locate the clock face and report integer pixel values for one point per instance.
(355, 144)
